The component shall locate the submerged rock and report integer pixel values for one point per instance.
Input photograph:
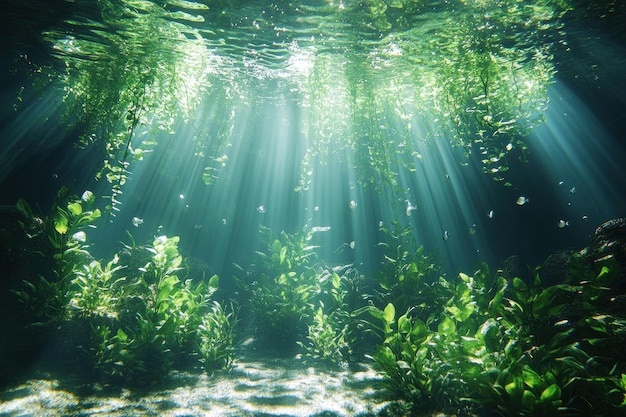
(608, 245)
(515, 267)
(608, 239)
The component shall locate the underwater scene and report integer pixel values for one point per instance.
(313, 208)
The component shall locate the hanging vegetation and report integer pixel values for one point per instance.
(376, 81)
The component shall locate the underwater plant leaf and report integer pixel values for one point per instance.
(419, 330)
(528, 400)
(514, 388)
(464, 277)
(60, 222)
(214, 282)
(389, 313)
(552, 393)
(489, 333)
(121, 336)
(447, 326)
(24, 208)
(75, 209)
(404, 324)
(532, 378)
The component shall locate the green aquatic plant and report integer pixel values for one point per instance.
(215, 338)
(325, 339)
(128, 65)
(500, 345)
(473, 74)
(157, 320)
(402, 357)
(95, 288)
(132, 70)
(126, 322)
(407, 276)
(283, 293)
(64, 227)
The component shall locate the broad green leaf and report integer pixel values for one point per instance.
(60, 223)
(528, 400)
(489, 333)
(464, 277)
(175, 263)
(95, 215)
(121, 336)
(521, 289)
(419, 330)
(389, 314)
(404, 324)
(214, 282)
(75, 209)
(513, 388)
(447, 326)
(531, 378)
(276, 246)
(552, 393)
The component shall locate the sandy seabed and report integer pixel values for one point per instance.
(277, 387)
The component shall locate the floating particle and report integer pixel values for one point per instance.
(409, 207)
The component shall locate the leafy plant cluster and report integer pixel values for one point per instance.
(485, 343)
(124, 323)
(500, 345)
(296, 300)
(130, 69)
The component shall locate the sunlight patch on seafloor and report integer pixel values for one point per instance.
(250, 388)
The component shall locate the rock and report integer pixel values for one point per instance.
(515, 267)
(608, 239)
(608, 245)
(555, 268)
